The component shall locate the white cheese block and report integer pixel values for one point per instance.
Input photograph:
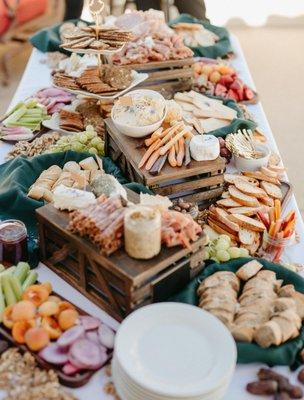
(204, 147)
(66, 198)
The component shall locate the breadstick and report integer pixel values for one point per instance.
(170, 132)
(171, 158)
(152, 159)
(148, 153)
(172, 141)
(181, 152)
(157, 133)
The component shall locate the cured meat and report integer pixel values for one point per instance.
(54, 99)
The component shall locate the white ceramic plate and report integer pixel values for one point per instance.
(137, 79)
(174, 349)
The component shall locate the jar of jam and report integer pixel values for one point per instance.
(13, 242)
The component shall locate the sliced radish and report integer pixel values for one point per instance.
(54, 354)
(89, 323)
(106, 336)
(70, 369)
(86, 353)
(70, 336)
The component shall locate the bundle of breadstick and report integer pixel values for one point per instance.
(171, 143)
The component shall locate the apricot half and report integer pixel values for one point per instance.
(7, 317)
(52, 327)
(48, 286)
(55, 299)
(36, 338)
(67, 319)
(23, 310)
(37, 294)
(65, 305)
(20, 328)
(48, 308)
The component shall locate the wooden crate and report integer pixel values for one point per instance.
(200, 182)
(167, 76)
(119, 283)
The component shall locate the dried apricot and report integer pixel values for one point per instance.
(52, 327)
(48, 286)
(37, 294)
(48, 308)
(55, 299)
(20, 328)
(7, 317)
(67, 319)
(23, 310)
(36, 338)
(65, 305)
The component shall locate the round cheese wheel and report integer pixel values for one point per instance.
(204, 147)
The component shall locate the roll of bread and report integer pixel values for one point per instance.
(142, 232)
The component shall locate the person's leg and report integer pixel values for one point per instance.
(146, 4)
(196, 8)
(73, 9)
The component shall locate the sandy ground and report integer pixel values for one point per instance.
(276, 62)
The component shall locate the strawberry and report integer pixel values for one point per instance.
(233, 95)
(248, 93)
(226, 80)
(236, 85)
(220, 90)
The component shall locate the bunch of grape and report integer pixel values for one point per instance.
(224, 152)
(220, 250)
(87, 141)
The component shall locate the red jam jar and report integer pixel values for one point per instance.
(13, 242)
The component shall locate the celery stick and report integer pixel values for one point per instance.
(17, 106)
(15, 115)
(2, 302)
(25, 124)
(9, 295)
(31, 103)
(10, 270)
(16, 286)
(21, 271)
(30, 279)
(2, 268)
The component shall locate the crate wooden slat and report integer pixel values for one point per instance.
(168, 75)
(203, 180)
(119, 283)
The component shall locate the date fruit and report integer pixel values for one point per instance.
(263, 387)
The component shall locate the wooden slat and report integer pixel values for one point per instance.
(202, 196)
(162, 64)
(190, 185)
(170, 74)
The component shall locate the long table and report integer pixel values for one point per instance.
(37, 76)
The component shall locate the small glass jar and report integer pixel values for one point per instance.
(13, 242)
(273, 247)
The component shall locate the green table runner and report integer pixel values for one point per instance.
(17, 175)
(285, 354)
(221, 49)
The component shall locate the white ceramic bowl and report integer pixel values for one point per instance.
(244, 164)
(141, 131)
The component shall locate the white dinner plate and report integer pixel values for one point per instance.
(174, 349)
(138, 77)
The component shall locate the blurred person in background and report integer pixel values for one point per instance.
(196, 8)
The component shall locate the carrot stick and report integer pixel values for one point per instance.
(152, 159)
(148, 153)
(172, 141)
(181, 152)
(271, 215)
(171, 158)
(276, 228)
(271, 229)
(277, 209)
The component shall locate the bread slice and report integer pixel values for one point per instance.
(272, 190)
(267, 276)
(230, 178)
(268, 201)
(242, 198)
(247, 222)
(222, 216)
(224, 316)
(299, 299)
(287, 328)
(269, 172)
(268, 334)
(292, 316)
(229, 202)
(246, 236)
(261, 177)
(249, 211)
(249, 189)
(287, 291)
(253, 248)
(242, 333)
(284, 303)
(221, 229)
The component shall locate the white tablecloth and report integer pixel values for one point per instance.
(37, 76)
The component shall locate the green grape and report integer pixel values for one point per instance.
(100, 147)
(206, 255)
(226, 238)
(76, 147)
(234, 252)
(222, 255)
(95, 142)
(214, 259)
(222, 244)
(244, 252)
(83, 138)
(92, 150)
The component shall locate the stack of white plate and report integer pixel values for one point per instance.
(169, 351)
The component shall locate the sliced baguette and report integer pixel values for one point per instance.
(268, 334)
(222, 216)
(249, 189)
(249, 211)
(249, 270)
(269, 172)
(267, 201)
(230, 178)
(272, 190)
(247, 222)
(229, 202)
(221, 230)
(261, 177)
(253, 248)
(242, 198)
(246, 236)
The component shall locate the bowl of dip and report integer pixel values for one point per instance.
(139, 113)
